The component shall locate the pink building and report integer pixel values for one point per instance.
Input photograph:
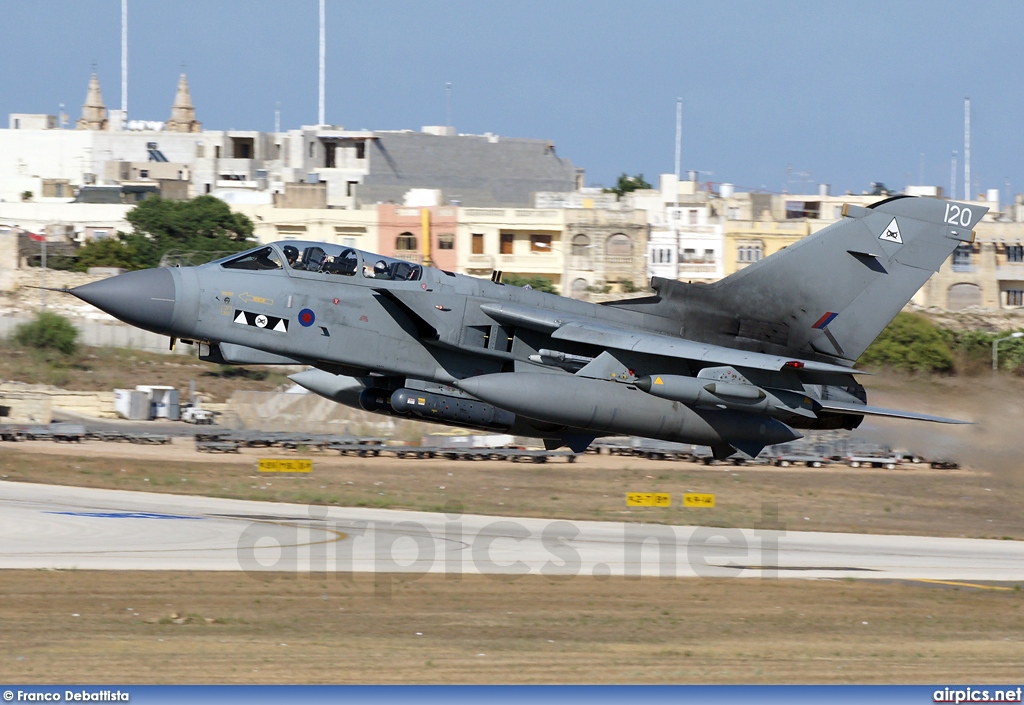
(400, 234)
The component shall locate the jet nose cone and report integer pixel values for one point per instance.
(145, 298)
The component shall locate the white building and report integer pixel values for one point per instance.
(686, 240)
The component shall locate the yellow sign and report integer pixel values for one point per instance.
(284, 465)
(648, 499)
(692, 499)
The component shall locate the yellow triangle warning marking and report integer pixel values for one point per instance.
(657, 380)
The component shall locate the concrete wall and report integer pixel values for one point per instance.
(24, 406)
(276, 411)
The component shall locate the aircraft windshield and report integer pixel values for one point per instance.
(346, 261)
(261, 259)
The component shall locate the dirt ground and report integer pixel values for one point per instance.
(104, 627)
(910, 500)
(104, 369)
(228, 628)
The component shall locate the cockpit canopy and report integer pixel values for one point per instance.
(323, 258)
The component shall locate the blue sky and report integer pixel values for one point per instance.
(847, 92)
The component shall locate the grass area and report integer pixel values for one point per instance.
(115, 627)
(910, 500)
(104, 369)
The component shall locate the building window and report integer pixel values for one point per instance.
(962, 258)
(329, 149)
(506, 243)
(406, 242)
(689, 255)
(144, 174)
(350, 187)
(750, 253)
(619, 245)
(709, 256)
(580, 245)
(1015, 253)
(312, 149)
(733, 213)
(360, 150)
(1015, 297)
(99, 234)
(478, 243)
(540, 243)
(693, 216)
(446, 241)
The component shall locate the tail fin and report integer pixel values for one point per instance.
(830, 293)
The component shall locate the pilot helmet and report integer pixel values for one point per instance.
(291, 253)
(381, 267)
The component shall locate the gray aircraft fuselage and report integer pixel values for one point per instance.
(736, 365)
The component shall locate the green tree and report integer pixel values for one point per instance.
(628, 183)
(48, 332)
(189, 222)
(204, 224)
(109, 252)
(910, 343)
(538, 283)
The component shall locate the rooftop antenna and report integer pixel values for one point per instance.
(952, 176)
(679, 133)
(920, 172)
(448, 101)
(967, 148)
(323, 56)
(277, 116)
(124, 59)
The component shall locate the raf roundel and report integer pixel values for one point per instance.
(306, 317)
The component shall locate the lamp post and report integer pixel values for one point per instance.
(995, 344)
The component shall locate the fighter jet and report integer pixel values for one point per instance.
(736, 365)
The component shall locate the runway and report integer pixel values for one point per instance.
(58, 527)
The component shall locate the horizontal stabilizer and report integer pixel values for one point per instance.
(840, 407)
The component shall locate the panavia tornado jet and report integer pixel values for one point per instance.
(737, 365)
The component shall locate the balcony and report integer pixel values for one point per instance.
(237, 167)
(620, 263)
(480, 262)
(410, 256)
(697, 268)
(1012, 271)
(530, 263)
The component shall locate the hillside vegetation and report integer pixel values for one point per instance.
(913, 343)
